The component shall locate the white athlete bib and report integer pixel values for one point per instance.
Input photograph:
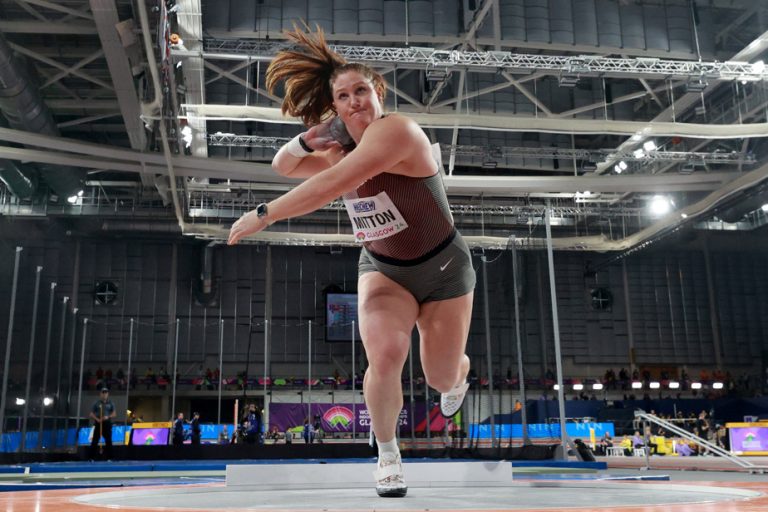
(374, 218)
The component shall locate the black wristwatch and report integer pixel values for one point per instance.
(261, 210)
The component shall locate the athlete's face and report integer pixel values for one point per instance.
(356, 102)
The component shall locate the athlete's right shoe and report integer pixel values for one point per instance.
(389, 476)
(451, 402)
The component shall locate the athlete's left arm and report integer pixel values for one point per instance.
(385, 143)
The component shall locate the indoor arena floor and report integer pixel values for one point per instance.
(701, 484)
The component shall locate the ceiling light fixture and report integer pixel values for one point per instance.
(660, 205)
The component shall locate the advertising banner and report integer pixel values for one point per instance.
(340, 417)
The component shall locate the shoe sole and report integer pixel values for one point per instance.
(446, 416)
(392, 493)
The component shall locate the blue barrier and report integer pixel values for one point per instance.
(540, 430)
(11, 441)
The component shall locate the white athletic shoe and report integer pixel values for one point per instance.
(389, 476)
(451, 402)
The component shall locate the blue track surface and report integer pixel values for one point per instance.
(220, 465)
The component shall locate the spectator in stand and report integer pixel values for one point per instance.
(166, 378)
(653, 447)
(702, 425)
(273, 434)
(120, 378)
(605, 442)
(721, 437)
(683, 449)
(624, 378)
(288, 436)
(149, 377)
(200, 378)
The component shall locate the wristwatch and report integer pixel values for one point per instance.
(262, 210)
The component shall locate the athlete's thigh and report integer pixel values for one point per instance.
(387, 314)
(443, 329)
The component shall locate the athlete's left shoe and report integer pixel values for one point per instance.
(389, 476)
(451, 402)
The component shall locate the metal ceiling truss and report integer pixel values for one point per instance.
(593, 155)
(429, 58)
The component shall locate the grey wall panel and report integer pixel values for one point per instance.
(248, 16)
(320, 12)
(447, 15)
(561, 21)
(706, 30)
(679, 27)
(268, 14)
(394, 17)
(294, 11)
(655, 22)
(216, 14)
(345, 20)
(420, 18)
(513, 21)
(537, 20)
(668, 300)
(372, 17)
(632, 27)
(608, 23)
(585, 22)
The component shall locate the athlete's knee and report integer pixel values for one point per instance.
(387, 358)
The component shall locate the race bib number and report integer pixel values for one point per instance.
(374, 218)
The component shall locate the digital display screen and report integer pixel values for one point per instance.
(749, 439)
(340, 312)
(149, 436)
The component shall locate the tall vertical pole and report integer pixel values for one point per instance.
(309, 371)
(556, 332)
(488, 354)
(9, 338)
(410, 390)
(265, 413)
(82, 371)
(128, 382)
(221, 369)
(429, 415)
(269, 286)
(44, 390)
(520, 372)
(354, 395)
(30, 359)
(714, 314)
(71, 371)
(58, 401)
(175, 368)
(628, 313)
